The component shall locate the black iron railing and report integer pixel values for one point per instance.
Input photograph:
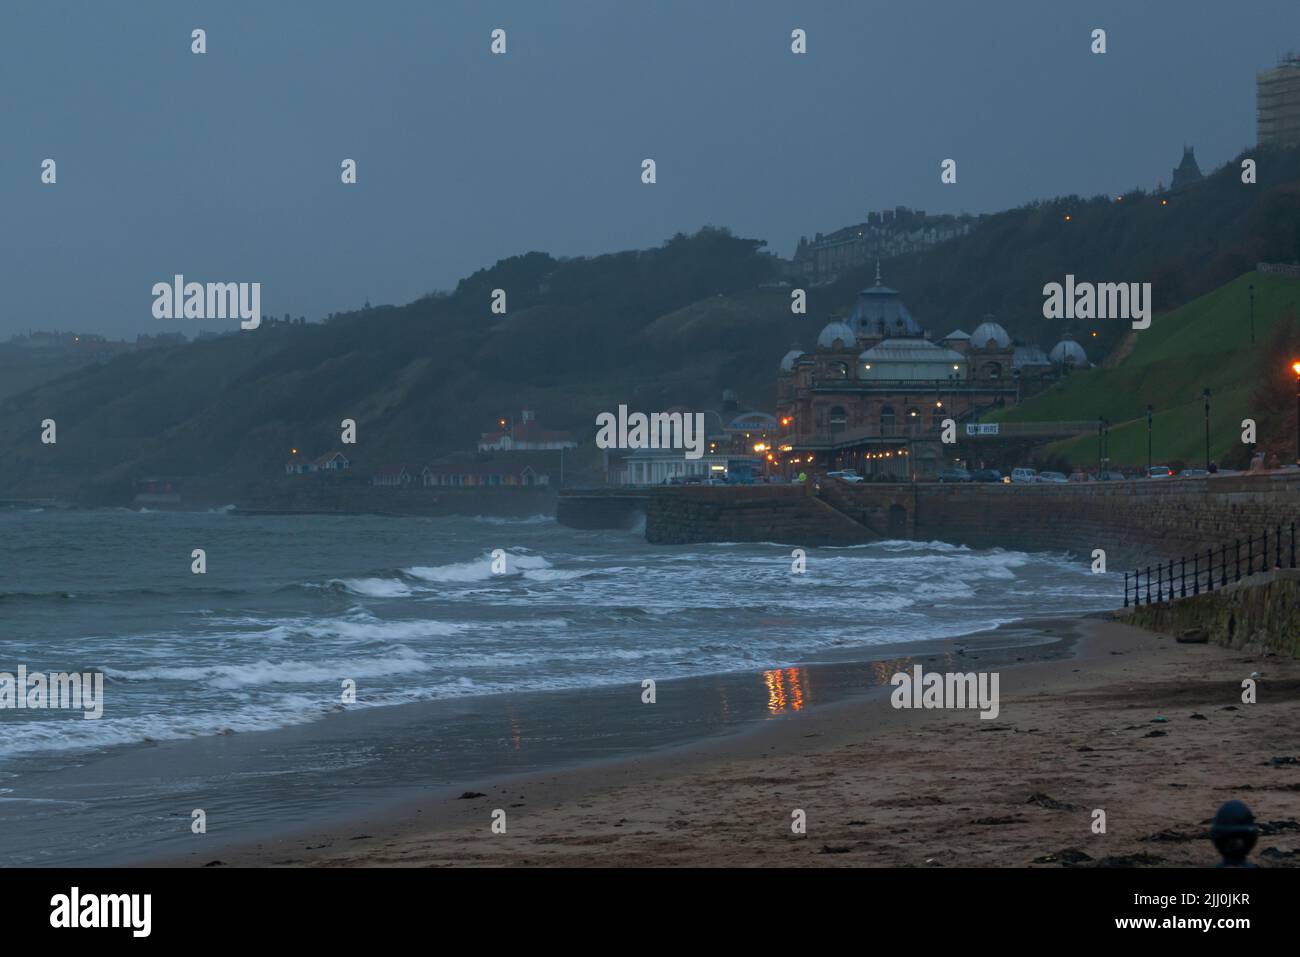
(1190, 575)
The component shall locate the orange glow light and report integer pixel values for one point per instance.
(1295, 367)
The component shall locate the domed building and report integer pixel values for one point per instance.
(875, 392)
(836, 335)
(1067, 352)
(879, 313)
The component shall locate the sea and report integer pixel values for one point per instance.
(322, 665)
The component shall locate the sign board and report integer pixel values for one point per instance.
(977, 428)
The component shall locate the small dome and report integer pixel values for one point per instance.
(787, 364)
(987, 331)
(837, 330)
(1068, 351)
(954, 336)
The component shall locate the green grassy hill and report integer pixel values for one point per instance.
(1205, 343)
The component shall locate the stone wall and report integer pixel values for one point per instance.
(786, 514)
(1134, 521)
(1260, 613)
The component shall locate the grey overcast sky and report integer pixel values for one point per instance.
(225, 166)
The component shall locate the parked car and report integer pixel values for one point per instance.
(1080, 477)
(1193, 473)
(1052, 478)
(986, 475)
(954, 475)
(1159, 471)
(1023, 475)
(845, 475)
(1112, 476)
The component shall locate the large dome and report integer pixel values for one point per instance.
(989, 331)
(1068, 351)
(836, 330)
(880, 314)
(791, 357)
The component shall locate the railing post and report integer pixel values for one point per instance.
(1148, 584)
(1277, 548)
(1196, 573)
(1223, 566)
(1126, 589)
(1160, 584)
(1182, 575)
(1237, 548)
(1209, 569)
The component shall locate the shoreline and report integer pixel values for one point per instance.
(693, 714)
(887, 787)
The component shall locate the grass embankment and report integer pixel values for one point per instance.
(1206, 343)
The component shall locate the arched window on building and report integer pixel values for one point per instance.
(887, 421)
(839, 370)
(839, 418)
(992, 370)
(913, 421)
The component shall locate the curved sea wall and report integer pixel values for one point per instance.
(1135, 522)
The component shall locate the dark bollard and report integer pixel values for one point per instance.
(1234, 833)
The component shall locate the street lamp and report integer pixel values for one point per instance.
(1149, 412)
(1295, 367)
(1252, 313)
(1205, 394)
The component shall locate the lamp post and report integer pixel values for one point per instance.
(1295, 367)
(1252, 313)
(1205, 394)
(1149, 413)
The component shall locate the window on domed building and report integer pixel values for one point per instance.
(992, 370)
(887, 421)
(840, 370)
(839, 418)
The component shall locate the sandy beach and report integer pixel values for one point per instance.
(1152, 732)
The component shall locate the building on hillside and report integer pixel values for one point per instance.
(1187, 173)
(891, 232)
(1277, 104)
(481, 475)
(526, 435)
(330, 462)
(391, 476)
(875, 391)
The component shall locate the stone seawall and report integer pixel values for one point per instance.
(1259, 613)
(1135, 522)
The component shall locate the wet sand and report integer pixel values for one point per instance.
(893, 787)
